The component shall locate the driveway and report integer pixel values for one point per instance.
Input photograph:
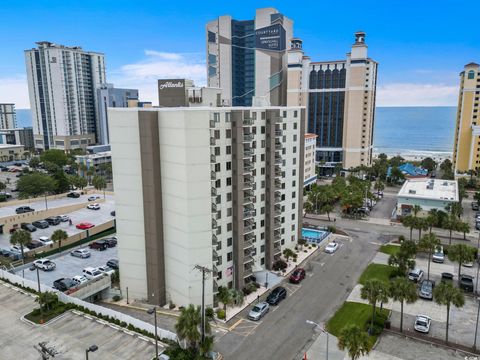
(384, 208)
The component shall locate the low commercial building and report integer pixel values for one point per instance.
(214, 187)
(94, 161)
(310, 174)
(426, 193)
(21, 136)
(11, 152)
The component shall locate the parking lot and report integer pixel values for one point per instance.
(95, 217)
(69, 266)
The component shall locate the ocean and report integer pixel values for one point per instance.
(415, 131)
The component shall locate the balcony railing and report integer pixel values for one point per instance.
(278, 160)
(247, 137)
(247, 259)
(214, 191)
(277, 224)
(214, 255)
(247, 229)
(278, 146)
(248, 214)
(247, 122)
(247, 272)
(248, 153)
(213, 158)
(249, 237)
(214, 240)
(213, 175)
(214, 207)
(213, 141)
(247, 200)
(214, 224)
(247, 244)
(278, 132)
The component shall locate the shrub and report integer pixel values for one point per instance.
(246, 291)
(221, 314)
(209, 313)
(279, 265)
(314, 245)
(401, 238)
(116, 298)
(131, 327)
(305, 251)
(332, 229)
(123, 324)
(257, 285)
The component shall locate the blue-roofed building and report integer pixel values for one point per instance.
(409, 170)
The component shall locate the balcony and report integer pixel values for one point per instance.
(277, 249)
(213, 141)
(214, 240)
(248, 193)
(278, 160)
(249, 237)
(278, 185)
(214, 224)
(247, 244)
(214, 191)
(247, 200)
(247, 229)
(214, 207)
(215, 270)
(277, 224)
(215, 287)
(278, 119)
(213, 175)
(278, 132)
(248, 153)
(247, 271)
(248, 214)
(247, 137)
(247, 122)
(213, 123)
(277, 210)
(247, 259)
(278, 146)
(213, 159)
(214, 255)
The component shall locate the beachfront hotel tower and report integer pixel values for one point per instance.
(340, 100)
(247, 59)
(466, 148)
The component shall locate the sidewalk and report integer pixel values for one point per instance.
(318, 350)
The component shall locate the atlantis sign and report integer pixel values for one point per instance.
(270, 38)
(171, 92)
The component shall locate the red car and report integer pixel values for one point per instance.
(85, 226)
(297, 276)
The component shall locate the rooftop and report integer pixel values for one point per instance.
(310, 136)
(433, 189)
(10, 146)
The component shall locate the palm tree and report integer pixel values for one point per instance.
(225, 297)
(237, 297)
(432, 219)
(47, 300)
(409, 221)
(188, 326)
(22, 238)
(463, 227)
(421, 224)
(447, 294)
(59, 236)
(462, 254)
(402, 290)
(429, 242)
(99, 183)
(416, 209)
(374, 290)
(355, 341)
(451, 223)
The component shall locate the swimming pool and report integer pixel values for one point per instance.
(315, 236)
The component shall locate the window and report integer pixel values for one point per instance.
(295, 126)
(262, 248)
(229, 150)
(262, 197)
(228, 133)
(262, 157)
(229, 181)
(211, 37)
(216, 118)
(229, 165)
(229, 256)
(262, 210)
(471, 74)
(284, 114)
(262, 261)
(219, 246)
(264, 115)
(219, 262)
(294, 161)
(263, 144)
(229, 212)
(262, 236)
(262, 223)
(294, 137)
(229, 242)
(217, 183)
(219, 274)
(294, 149)
(217, 151)
(295, 113)
(229, 227)
(293, 195)
(293, 218)
(293, 205)
(229, 196)
(227, 117)
(262, 129)
(217, 134)
(262, 171)
(263, 184)
(293, 183)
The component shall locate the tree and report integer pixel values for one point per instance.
(61, 182)
(355, 341)
(59, 236)
(463, 227)
(409, 221)
(99, 183)
(446, 168)
(379, 185)
(47, 300)
(3, 186)
(288, 253)
(446, 294)
(403, 259)
(451, 223)
(188, 326)
(455, 209)
(432, 219)
(35, 184)
(421, 224)
(21, 238)
(404, 291)
(224, 296)
(374, 290)
(34, 162)
(89, 174)
(462, 254)
(428, 164)
(54, 156)
(428, 243)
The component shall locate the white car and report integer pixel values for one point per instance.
(80, 279)
(64, 218)
(422, 324)
(44, 264)
(81, 253)
(93, 197)
(94, 206)
(468, 264)
(92, 273)
(18, 248)
(438, 255)
(331, 247)
(106, 270)
(45, 240)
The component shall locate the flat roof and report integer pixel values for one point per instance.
(9, 146)
(430, 189)
(310, 136)
(206, 108)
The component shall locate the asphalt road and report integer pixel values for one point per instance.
(283, 333)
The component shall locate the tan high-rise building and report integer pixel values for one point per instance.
(340, 100)
(466, 154)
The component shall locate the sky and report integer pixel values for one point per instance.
(421, 45)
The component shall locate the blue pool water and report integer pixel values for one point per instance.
(315, 236)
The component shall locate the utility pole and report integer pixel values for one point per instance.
(204, 271)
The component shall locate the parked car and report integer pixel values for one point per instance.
(277, 295)
(23, 209)
(110, 241)
(438, 255)
(93, 197)
(474, 205)
(113, 263)
(447, 277)
(64, 218)
(18, 248)
(331, 247)
(34, 244)
(415, 275)
(106, 270)
(297, 276)
(45, 264)
(466, 283)
(112, 213)
(99, 245)
(41, 224)
(477, 225)
(53, 220)
(81, 253)
(84, 226)
(91, 273)
(64, 284)
(93, 207)
(468, 264)
(28, 227)
(258, 311)
(45, 240)
(426, 289)
(6, 194)
(73, 194)
(422, 324)
(80, 279)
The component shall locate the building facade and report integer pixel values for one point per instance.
(62, 84)
(215, 187)
(310, 173)
(99, 163)
(183, 92)
(247, 59)
(109, 96)
(8, 118)
(10, 152)
(340, 99)
(466, 147)
(21, 136)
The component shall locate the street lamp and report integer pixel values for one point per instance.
(92, 348)
(321, 328)
(476, 326)
(154, 312)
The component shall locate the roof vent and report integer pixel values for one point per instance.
(411, 191)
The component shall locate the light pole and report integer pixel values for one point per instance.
(322, 329)
(204, 270)
(476, 326)
(92, 348)
(154, 312)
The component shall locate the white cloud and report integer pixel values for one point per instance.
(143, 75)
(14, 89)
(412, 94)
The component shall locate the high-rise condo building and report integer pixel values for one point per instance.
(340, 100)
(8, 119)
(62, 84)
(247, 59)
(219, 187)
(466, 153)
(109, 96)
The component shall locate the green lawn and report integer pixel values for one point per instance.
(389, 249)
(377, 271)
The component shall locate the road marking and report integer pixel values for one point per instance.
(375, 243)
(235, 325)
